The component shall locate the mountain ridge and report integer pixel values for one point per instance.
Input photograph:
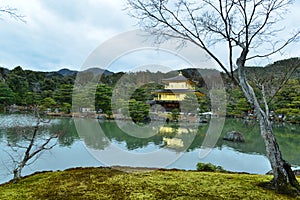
(276, 69)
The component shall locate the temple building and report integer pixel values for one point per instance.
(176, 88)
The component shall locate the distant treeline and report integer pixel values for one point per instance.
(53, 90)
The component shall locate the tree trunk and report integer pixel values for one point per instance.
(17, 175)
(284, 180)
(18, 171)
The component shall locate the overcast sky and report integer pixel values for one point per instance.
(62, 34)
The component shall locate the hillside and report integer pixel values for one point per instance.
(53, 90)
(67, 72)
(276, 70)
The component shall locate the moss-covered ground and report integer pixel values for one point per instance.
(108, 183)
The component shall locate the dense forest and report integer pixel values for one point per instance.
(52, 91)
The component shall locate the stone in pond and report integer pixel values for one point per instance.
(234, 136)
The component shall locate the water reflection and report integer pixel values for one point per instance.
(190, 137)
(177, 142)
(112, 144)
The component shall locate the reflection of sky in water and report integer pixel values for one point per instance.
(22, 121)
(148, 154)
(226, 157)
(114, 155)
(58, 158)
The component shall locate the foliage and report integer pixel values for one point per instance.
(189, 104)
(237, 103)
(18, 83)
(140, 94)
(66, 107)
(7, 96)
(209, 167)
(103, 99)
(32, 98)
(107, 183)
(204, 104)
(48, 102)
(139, 111)
(287, 101)
(25, 87)
(175, 114)
(63, 94)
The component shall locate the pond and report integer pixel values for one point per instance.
(89, 142)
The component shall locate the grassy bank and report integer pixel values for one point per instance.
(107, 183)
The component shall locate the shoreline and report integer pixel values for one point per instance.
(118, 117)
(131, 169)
(140, 183)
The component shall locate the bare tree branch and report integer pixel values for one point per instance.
(247, 27)
(31, 144)
(13, 13)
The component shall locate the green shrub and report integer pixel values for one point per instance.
(209, 167)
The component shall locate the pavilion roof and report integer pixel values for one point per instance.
(178, 78)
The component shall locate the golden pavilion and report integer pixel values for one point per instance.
(175, 90)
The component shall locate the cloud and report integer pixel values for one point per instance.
(63, 33)
(58, 33)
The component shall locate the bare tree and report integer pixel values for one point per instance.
(248, 29)
(31, 140)
(273, 81)
(12, 12)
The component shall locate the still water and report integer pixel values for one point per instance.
(88, 142)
